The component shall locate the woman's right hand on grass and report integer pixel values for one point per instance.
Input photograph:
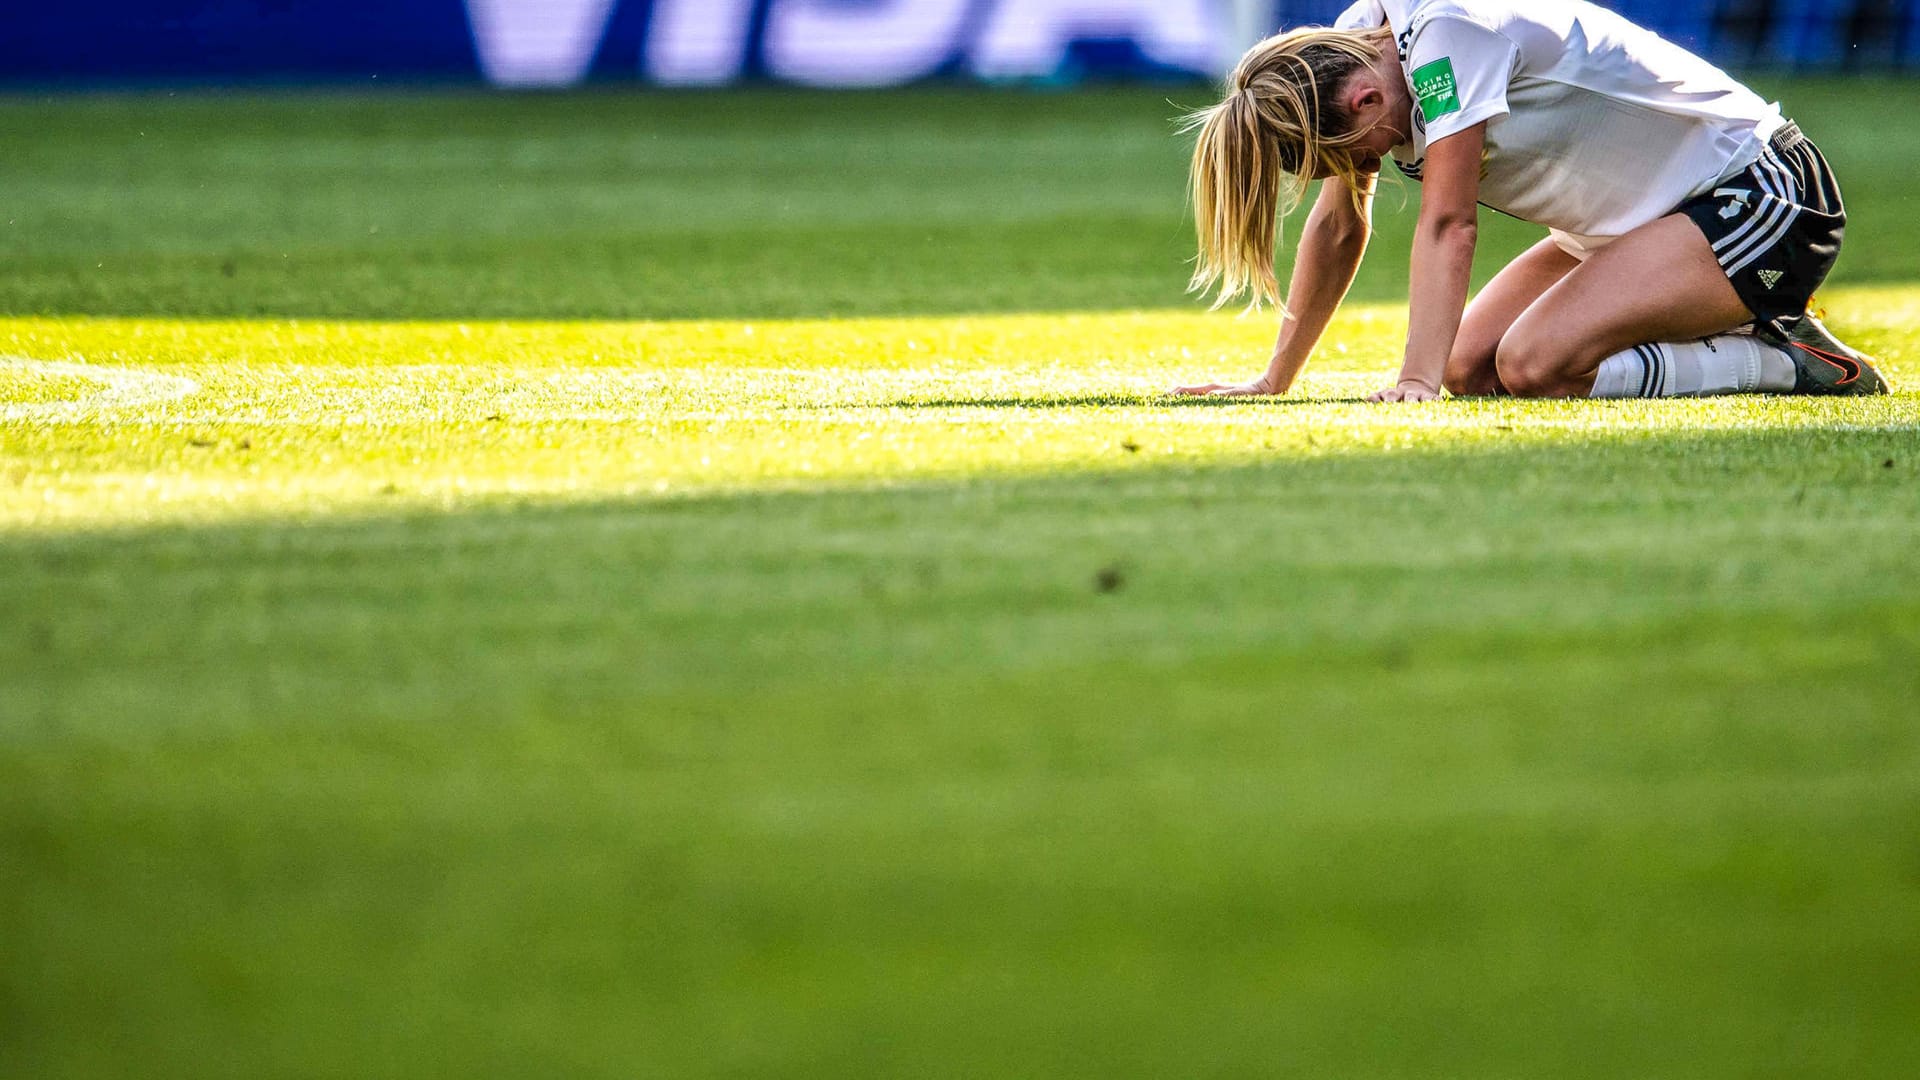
(1256, 388)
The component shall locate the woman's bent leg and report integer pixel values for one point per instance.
(1470, 369)
(1659, 283)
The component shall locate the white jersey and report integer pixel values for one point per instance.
(1595, 126)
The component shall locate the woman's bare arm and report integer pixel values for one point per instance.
(1442, 262)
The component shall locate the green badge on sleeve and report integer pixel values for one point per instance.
(1436, 90)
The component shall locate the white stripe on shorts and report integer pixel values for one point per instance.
(1768, 167)
(1762, 246)
(1780, 218)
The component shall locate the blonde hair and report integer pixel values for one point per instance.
(1259, 149)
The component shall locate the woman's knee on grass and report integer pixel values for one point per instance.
(1533, 362)
(1470, 371)
(1470, 367)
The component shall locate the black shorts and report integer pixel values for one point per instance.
(1775, 228)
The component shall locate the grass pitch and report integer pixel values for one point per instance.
(530, 639)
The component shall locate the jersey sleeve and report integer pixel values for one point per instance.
(1460, 71)
(1364, 15)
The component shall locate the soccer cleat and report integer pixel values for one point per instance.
(1823, 364)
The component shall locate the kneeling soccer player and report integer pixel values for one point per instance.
(1689, 221)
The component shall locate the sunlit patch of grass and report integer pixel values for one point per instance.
(304, 418)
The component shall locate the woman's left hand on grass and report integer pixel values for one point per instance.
(1407, 391)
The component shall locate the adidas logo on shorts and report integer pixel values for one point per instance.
(1770, 278)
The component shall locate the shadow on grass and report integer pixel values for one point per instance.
(670, 206)
(675, 594)
(645, 206)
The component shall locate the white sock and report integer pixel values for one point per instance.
(1726, 364)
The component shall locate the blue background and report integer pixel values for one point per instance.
(95, 42)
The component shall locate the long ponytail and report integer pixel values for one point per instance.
(1258, 150)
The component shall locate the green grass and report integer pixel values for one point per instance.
(534, 639)
(692, 205)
